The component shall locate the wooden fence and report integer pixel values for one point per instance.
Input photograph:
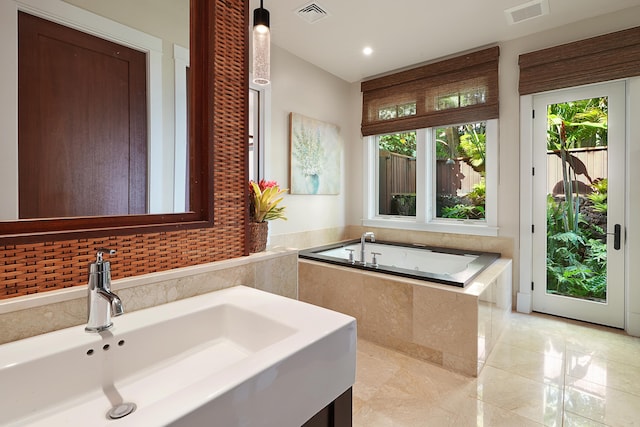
(397, 175)
(594, 160)
(455, 177)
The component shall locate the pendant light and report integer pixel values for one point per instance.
(261, 46)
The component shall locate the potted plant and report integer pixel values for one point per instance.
(264, 200)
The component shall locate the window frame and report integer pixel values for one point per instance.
(261, 138)
(425, 188)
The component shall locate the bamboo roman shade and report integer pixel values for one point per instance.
(598, 59)
(456, 90)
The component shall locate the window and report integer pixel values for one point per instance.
(431, 158)
(442, 178)
(460, 170)
(396, 174)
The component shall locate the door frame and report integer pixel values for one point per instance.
(524, 296)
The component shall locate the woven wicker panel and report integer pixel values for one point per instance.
(608, 57)
(424, 84)
(32, 268)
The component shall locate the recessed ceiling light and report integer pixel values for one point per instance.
(367, 51)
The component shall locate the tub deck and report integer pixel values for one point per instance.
(433, 264)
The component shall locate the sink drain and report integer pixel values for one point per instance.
(121, 410)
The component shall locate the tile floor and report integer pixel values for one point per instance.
(543, 371)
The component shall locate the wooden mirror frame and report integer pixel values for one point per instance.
(202, 17)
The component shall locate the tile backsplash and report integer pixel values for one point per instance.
(274, 271)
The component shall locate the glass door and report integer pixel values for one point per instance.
(579, 175)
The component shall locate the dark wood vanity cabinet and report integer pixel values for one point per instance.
(335, 414)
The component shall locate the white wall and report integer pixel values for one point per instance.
(633, 207)
(300, 87)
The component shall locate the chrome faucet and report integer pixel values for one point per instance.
(363, 239)
(102, 303)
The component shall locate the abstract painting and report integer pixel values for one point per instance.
(316, 150)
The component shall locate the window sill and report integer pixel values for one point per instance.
(453, 227)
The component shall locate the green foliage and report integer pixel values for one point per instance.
(474, 208)
(473, 147)
(576, 261)
(585, 123)
(478, 193)
(599, 195)
(404, 204)
(461, 211)
(466, 141)
(399, 143)
(576, 250)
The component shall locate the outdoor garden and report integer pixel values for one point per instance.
(577, 211)
(576, 199)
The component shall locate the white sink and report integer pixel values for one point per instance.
(236, 357)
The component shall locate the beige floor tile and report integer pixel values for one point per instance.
(473, 412)
(371, 374)
(608, 373)
(543, 371)
(402, 409)
(534, 400)
(541, 339)
(573, 420)
(545, 367)
(611, 346)
(601, 404)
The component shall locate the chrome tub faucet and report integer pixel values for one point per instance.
(363, 240)
(102, 303)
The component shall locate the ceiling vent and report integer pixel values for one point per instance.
(526, 11)
(312, 12)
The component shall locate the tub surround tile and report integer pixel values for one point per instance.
(445, 320)
(307, 239)
(462, 364)
(412, 349)
(383, 309)
(273, 271)
(445, 325)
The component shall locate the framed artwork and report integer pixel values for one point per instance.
(316, 150)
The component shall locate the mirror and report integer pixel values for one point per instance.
(178, 175)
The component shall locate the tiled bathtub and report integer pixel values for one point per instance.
(449, 326)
